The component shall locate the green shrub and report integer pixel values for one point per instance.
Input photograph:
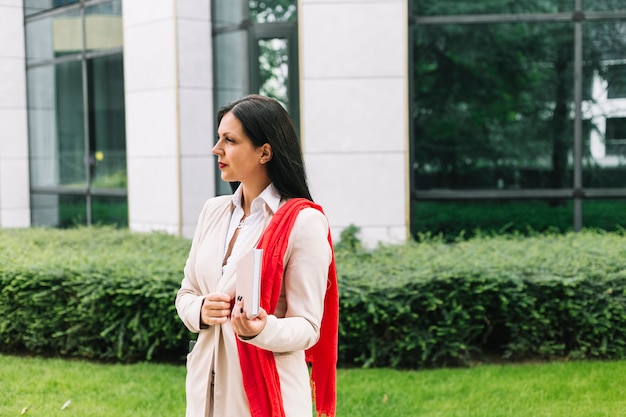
(108, 294)
(97, 293)
(433, 303)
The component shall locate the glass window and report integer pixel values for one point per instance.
(274, 69)
(56, 125)
(616, 79)
(50, 37)
(55, 210)
(36, 6)
(228, 13)
(76, 114)
(109, 210)
(252, 45)
(107, 127)
(605, 113)
(605, 214)
(604, 5)
(272, 10)
(469, 7)
(103, 26)
(230, 70)
(466, 218)
(493, 106)
(616, 139)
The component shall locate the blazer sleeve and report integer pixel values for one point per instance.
(189, 298)
(307, 260)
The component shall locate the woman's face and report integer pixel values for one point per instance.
(237, 158)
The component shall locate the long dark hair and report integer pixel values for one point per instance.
(264, 120)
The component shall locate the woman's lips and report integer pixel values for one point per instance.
(221, 165)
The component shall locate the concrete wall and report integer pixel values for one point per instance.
(354, 113)
(169, 113)
(14, 182)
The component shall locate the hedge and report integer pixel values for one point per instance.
(98, 293)
(108, 294)
(433, 303)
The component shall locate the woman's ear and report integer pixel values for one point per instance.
(266, 153)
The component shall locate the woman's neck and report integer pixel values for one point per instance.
(249, 193)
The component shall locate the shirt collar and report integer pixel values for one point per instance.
(269, 196)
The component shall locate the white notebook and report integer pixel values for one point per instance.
(249, 281)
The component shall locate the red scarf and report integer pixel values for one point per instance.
(260, 377)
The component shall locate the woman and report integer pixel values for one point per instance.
(258, 367)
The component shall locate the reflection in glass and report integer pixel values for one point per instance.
(54, 36)
(605, 111)
(274, 69)
(103, 26)
(109, 211)
(606, 215)
(228, 13)
(58, 210)
(263, 11)
(604, 5)
(469, 7)
(56, 129)
(107, 130)
(36, 6)
(231, 69)
(493, 106)
(467, 218)
(72, 211)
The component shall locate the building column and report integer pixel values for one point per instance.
(14, 177)
(169, 113)
(354, 97)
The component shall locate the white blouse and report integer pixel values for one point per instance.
(269, 197)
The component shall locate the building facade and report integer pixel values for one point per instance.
(414, 116)
(100, 74)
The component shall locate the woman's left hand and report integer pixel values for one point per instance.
(242, 325)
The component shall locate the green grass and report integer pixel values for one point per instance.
(573, 389)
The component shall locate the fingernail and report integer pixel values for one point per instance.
(241, 310)
(239, 298)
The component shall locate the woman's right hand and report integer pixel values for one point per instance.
(215, 309)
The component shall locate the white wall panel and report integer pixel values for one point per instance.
(168, 82)
(151, 126)
(361, 114)
(14, 178)
(352, 40)
(354, 114)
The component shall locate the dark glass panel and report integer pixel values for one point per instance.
(604, 5)
(616, 80)
(107, 129)
(274, 69)
(103, 26)
(58, 210)
(56, 129)
(228, 13)
(468, 218)
(464, 7)
(54, 36)
(263, 11)
(604, 214)
(605, 113)
(72, 211)
(109, 211)
(493, 106)
(36, 6)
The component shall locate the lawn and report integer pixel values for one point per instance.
(41, 387)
